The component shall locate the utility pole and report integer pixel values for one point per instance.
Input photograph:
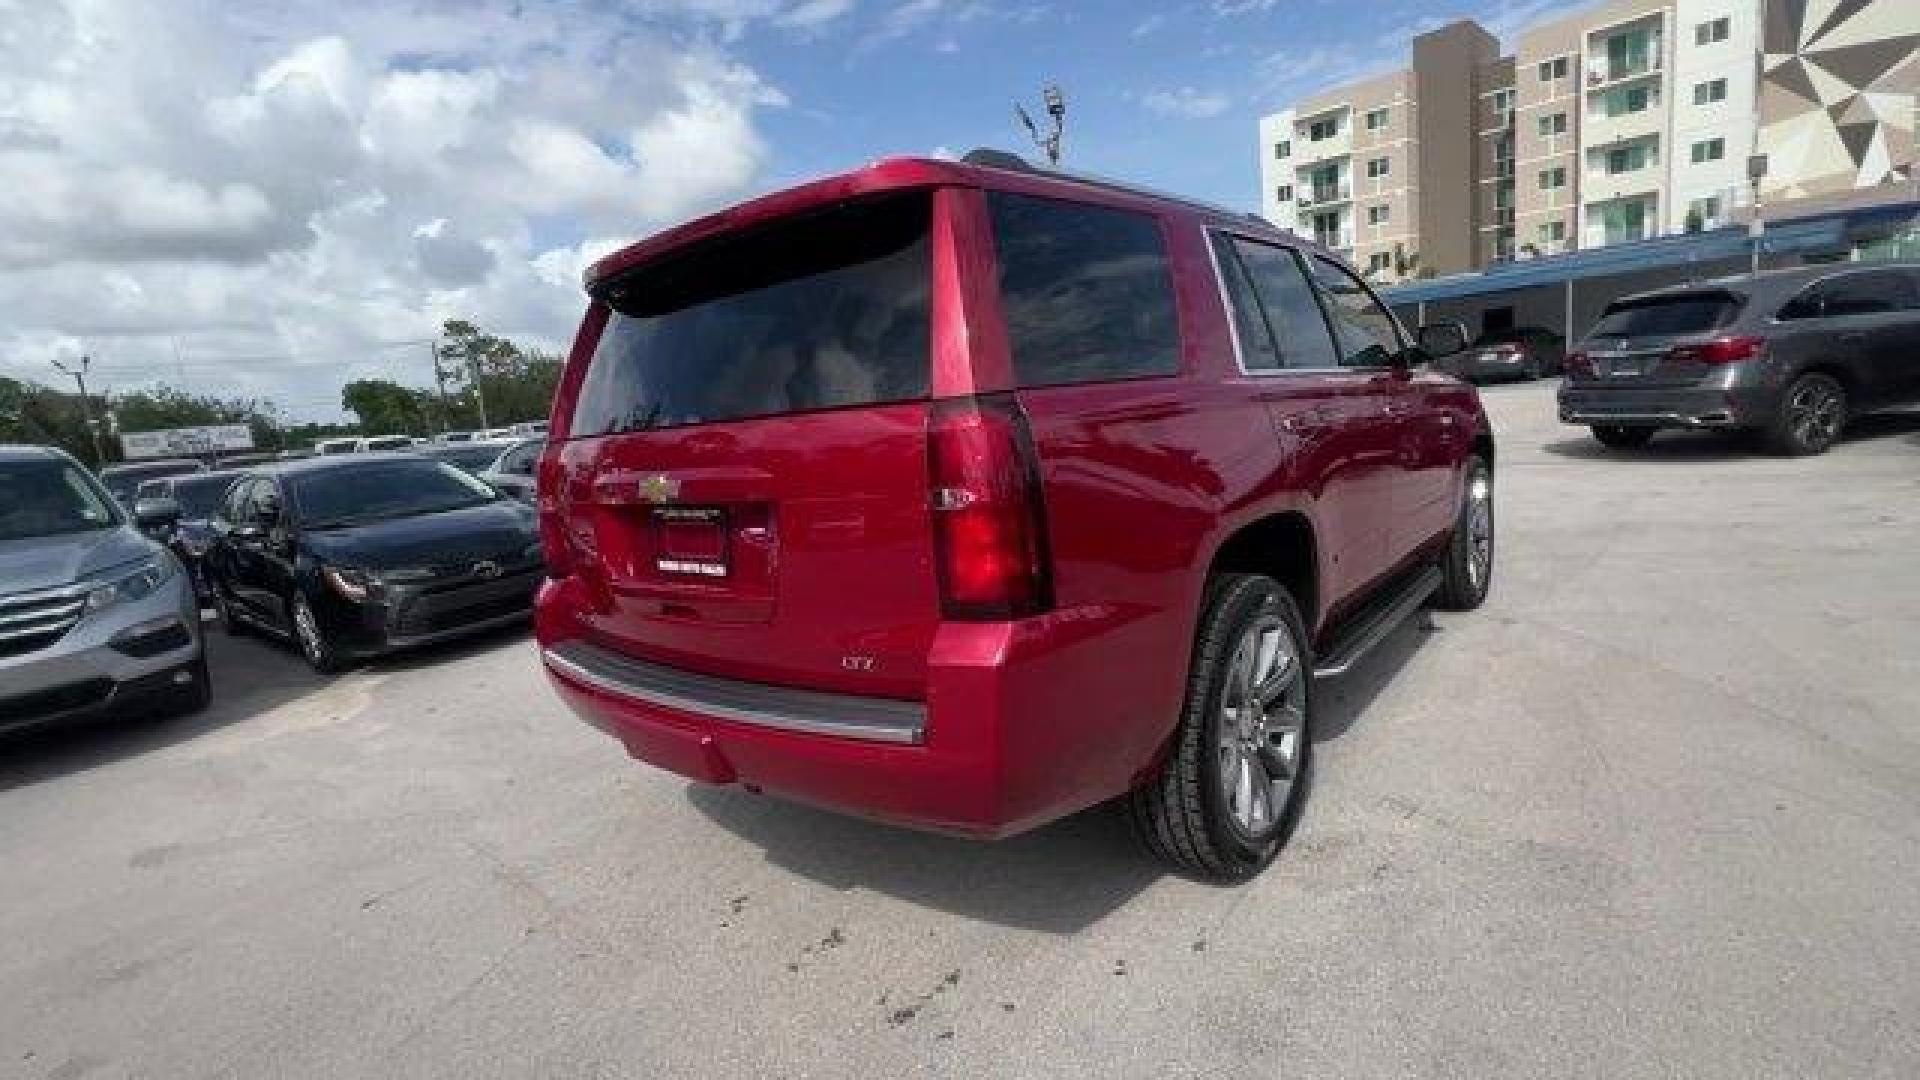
(86, 405)
(440, 380)
(1756, 225)
(1049, 144)
(479, 395)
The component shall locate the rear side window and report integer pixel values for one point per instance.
(1664, 316)
(1870, 293)
(821, 312)
(1364, 329)
(1292, 312)
(1085, 290)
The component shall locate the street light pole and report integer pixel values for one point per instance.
(86, 405)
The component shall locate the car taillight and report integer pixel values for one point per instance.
(989, 521)
(555, 544)
(1578, 363)
(1726, 350)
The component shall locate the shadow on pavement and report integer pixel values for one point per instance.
(1711, 446)
(1339, 703)
(249, 677)
(1058, 879)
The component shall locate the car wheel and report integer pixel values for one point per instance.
(230, 621)
(196, 695)
(1812, 414)
(1616, 437)
(1466, 568)
(319, 652)
(1224, 800)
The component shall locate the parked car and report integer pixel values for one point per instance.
(355, 557)
(967, 497)
(513, 471)
(94, 617)
(329, 447)
(178, 511)
(383, 442)
(1517, 352)
(529, 428)
(1793, 353)
(472, 458)
(455, 437)
(124, 479)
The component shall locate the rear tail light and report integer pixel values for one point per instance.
(989, 521)
(555, 544)
(1578, 363)
(1726, 350)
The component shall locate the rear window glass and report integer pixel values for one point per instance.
(332, 498)
(1085, 291)
(821, 312)
(1661, 316)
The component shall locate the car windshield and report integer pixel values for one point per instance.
(1665, 316)
(199, 496)
(473, 457)
(376, 490)
(49, 498)
(124, 480)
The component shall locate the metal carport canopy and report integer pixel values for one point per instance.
(1812, 234)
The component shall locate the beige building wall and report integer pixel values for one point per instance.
(1336, 200)
(1445, 63)
(1837, 96)
(1546, 219)
(1493, 161)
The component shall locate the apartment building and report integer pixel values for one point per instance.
(1615, 122)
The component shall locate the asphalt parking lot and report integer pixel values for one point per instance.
(1651, 812)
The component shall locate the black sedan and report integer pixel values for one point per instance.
(359, 555)
(178, 511)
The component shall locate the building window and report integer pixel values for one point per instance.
(1377, 215)
(1709, 32)
(1620, 222)
(1709, 150)
(1503, 100)
(1322, 130)
(1630, 54)
(1625, 100)
(1706, 211)
(1552, 232)
(1376, 119)
(1555, 68)
(1553, 125)
(1553, 178)
(1707, 93)
(1626, 159)
(1379, 262)
(1283, 149)
(1377, 167)
(1284, 193)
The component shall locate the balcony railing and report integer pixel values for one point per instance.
(1606, 73)
(1321, 194)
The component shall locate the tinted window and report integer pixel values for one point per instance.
(1299, 325)
(1660, 316)
(49, 498)
(473, 457)
(1257, 351)
(1363, 329)
(1868, 293)
(1085, 291)
(331, 498)
(199, 496)
(823, 311)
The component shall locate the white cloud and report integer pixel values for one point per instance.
(1149, 25)
(317, 187)
(1186, 102)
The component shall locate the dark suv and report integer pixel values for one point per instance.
(1791, 353)
(969, 496)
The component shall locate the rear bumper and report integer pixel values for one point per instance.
(1591, 403)
(1008, 736)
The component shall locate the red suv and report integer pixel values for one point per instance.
(965, 496)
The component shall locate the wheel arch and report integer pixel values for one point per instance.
(1282, 546)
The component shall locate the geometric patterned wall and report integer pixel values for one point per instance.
(1838, 80)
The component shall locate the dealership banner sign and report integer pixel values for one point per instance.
(185, 442)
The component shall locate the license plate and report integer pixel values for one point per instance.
(1624, 367)
(690, 540)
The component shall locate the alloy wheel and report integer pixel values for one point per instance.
(1262, 725)
(308, 631)
(1814, 413)
(1479, 530)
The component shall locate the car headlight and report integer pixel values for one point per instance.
(354, 585)
(136, 584)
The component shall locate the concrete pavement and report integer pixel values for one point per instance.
(1650, 812)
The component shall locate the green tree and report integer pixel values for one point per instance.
(385, 407)
(516, 385)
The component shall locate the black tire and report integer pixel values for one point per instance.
(1463, 580)
(1185, 813)
(1811, 416)
(311, 638)
(195, 696)
(1616, 437)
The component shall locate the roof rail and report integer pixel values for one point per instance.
(1001, 159)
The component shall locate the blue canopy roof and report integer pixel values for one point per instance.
(1823, 232)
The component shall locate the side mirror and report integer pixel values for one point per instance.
(156, 515)
(1442, 339)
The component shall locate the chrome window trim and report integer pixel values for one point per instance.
(1207, 232)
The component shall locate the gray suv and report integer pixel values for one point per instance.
(94, 617)
(1792, 353)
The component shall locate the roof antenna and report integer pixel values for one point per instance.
(1049, 144)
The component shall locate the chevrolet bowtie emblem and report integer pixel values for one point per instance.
(660, 489)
